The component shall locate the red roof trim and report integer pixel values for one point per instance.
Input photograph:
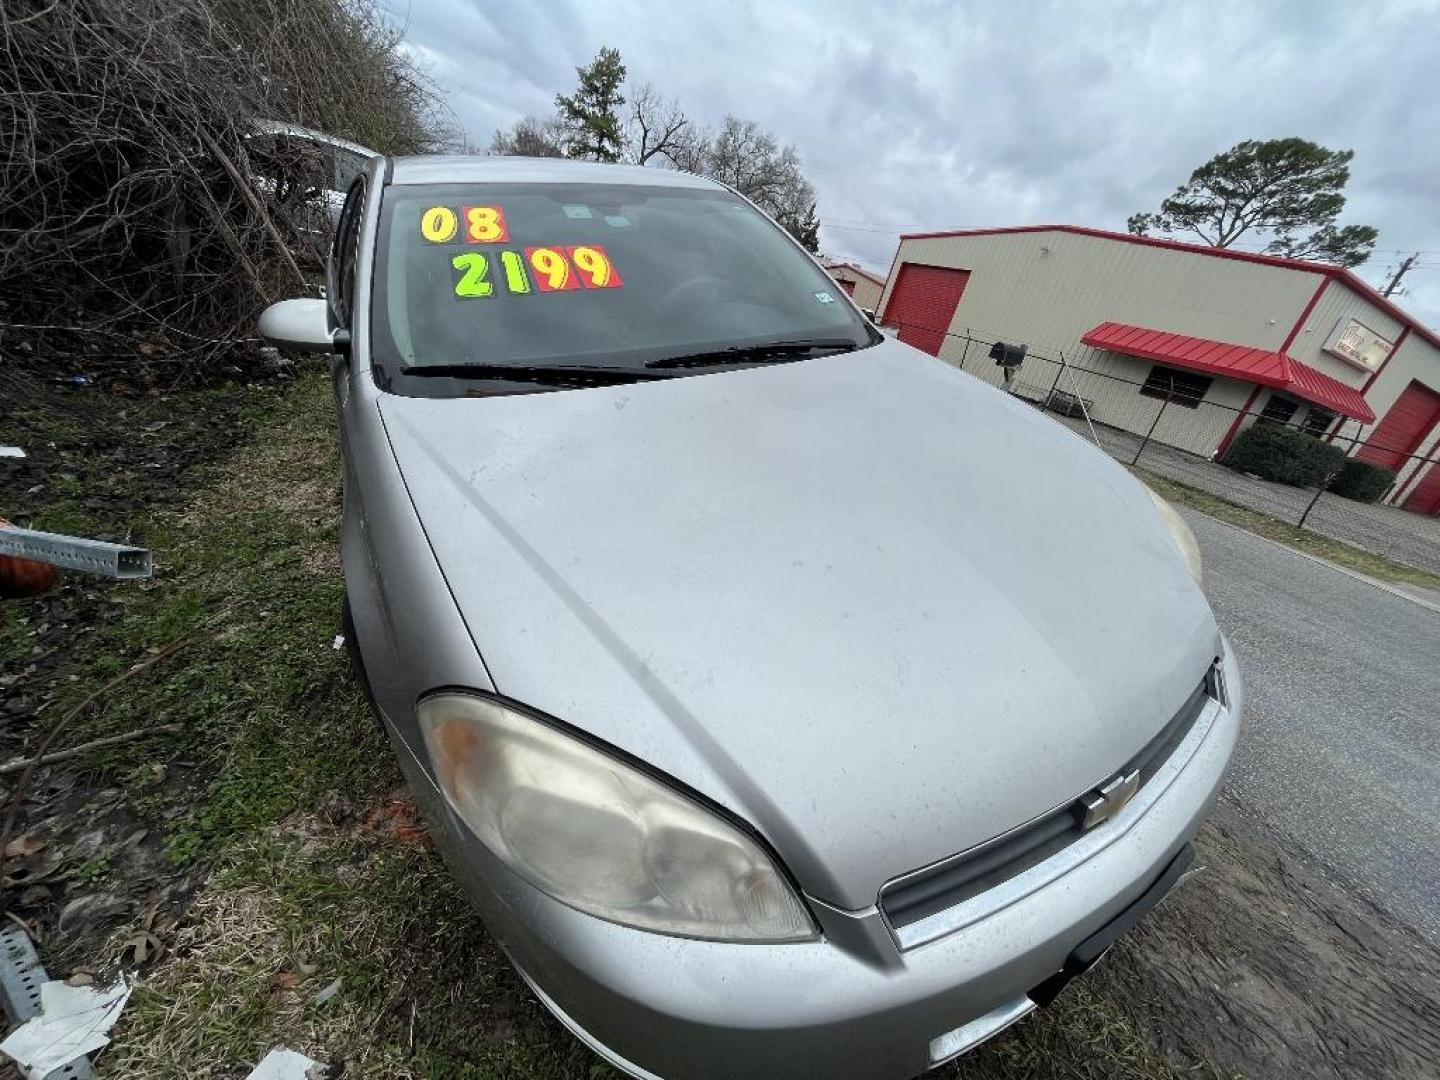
(1305, 266)
(1274, 369)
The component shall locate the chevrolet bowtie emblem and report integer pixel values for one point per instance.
(1107, 800)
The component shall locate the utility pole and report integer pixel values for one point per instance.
(1405, 265)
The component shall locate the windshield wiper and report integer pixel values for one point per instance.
(548, 374)
(770, 351)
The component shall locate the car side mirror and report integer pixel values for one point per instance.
(302, 325)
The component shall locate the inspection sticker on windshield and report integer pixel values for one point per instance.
(578, 212)
(824, 298)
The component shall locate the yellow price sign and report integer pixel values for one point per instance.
(439, 224)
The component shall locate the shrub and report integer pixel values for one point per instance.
(1274, 452)
(1362, 481)
(132, 236)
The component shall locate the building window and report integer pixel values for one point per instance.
(1180, 387)
(1318, 421)
(1280, 409)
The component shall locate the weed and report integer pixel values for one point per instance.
(93, 872)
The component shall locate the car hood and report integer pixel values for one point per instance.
(869, 603)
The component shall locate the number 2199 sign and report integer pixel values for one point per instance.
(561, 269)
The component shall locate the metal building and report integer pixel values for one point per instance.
(863, 286)
(1302, 342)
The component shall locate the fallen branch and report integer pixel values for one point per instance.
(18, 795)
(84, 748)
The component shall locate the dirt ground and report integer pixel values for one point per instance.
(259, 865)
(1262, 967)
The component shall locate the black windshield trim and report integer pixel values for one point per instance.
(765, 351)
(550, 374)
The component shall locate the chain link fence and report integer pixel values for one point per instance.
(1169, 424)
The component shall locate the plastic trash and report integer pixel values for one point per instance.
(283, 1064)
(72, 1022)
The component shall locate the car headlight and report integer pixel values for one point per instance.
(1180, 532)
(600, 835)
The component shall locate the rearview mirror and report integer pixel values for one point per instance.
(301, 325)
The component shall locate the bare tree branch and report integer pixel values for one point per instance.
(655, 126)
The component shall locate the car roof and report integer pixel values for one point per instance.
(455, 168)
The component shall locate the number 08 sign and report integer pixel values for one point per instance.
(542, 269)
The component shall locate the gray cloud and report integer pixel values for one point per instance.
(935, 115)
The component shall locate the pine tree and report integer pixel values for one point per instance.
(592, 114)
(1289, 189)
(805, 229)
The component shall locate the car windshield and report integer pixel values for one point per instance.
(595, 276)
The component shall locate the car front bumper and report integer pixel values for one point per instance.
(851, 1003)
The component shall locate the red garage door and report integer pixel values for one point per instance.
(1425, 499)
(923, 303)
(1402, 429)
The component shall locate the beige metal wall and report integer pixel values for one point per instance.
(1121, 405)
(866, 293)
(1048, 288)
(1337, 302)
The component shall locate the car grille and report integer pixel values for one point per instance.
(923, 893)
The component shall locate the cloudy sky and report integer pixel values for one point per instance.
(933, 114)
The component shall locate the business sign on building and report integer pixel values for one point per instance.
(1357, 344)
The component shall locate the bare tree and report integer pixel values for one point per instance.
(135, 231)
(656, 126)
(748, 158)
(531, 137)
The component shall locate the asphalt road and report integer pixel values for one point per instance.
(1340, 753)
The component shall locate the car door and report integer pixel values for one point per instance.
(340, 295)
(340, 276)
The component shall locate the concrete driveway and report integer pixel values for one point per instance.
(1340, 753)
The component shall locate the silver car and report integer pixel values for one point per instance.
(791, 703)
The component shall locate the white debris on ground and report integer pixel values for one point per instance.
(338, 642)
(283, 1064)
(11, 451)
(72, 1022)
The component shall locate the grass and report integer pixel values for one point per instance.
(283, 800)
(278, 746)
(1272, 528)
